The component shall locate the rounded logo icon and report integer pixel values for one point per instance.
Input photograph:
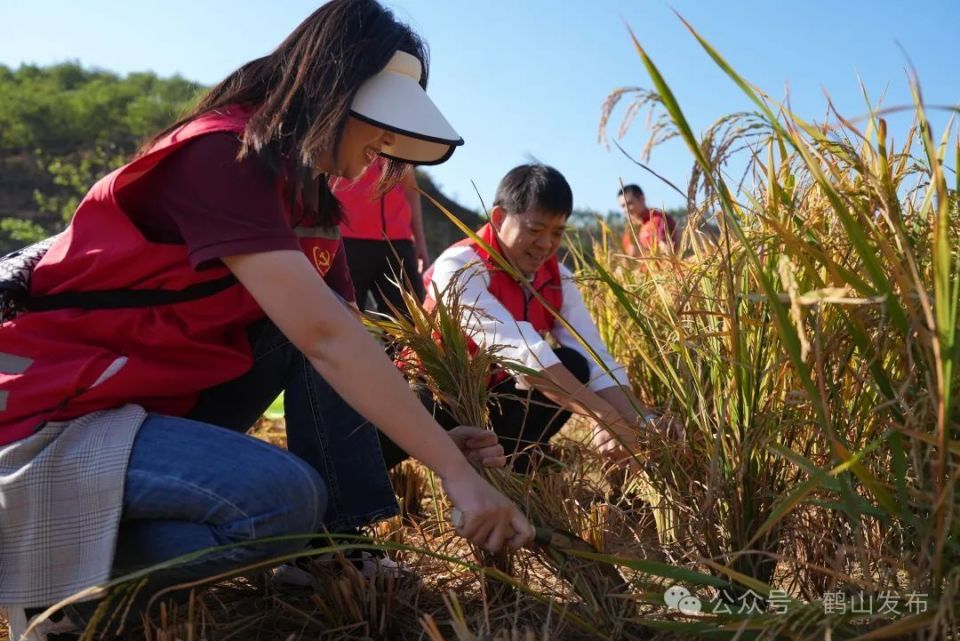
(322, 259)
(690, 605)
(674, 595)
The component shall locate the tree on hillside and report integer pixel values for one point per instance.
(62, 127)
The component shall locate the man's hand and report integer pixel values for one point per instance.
(620, 440)
(616, 440)
(667, 427)
(480, 446)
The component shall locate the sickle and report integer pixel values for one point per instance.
(559, 540)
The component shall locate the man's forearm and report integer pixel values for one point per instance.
(625, 403)
(559, 385)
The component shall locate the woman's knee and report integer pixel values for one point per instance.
(292, 501)
(306, 496)
(183, 470)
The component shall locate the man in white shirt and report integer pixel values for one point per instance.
(528, 220)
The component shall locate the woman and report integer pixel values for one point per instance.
(187, 292)
(384, 238)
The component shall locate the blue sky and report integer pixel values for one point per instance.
(525, 79)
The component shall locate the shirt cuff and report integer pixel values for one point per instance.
(602, 380)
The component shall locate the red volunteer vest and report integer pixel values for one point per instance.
(656, 227)
(64, 363)
(371, 217)
(511, 293)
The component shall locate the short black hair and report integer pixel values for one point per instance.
(630, 189)
(534, 186)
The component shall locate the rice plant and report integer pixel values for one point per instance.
(436, 354)
(812, 353)
(810, 349)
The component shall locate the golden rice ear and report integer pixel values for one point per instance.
(806, 337)
(436, 353)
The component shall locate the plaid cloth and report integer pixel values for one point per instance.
(61, 495)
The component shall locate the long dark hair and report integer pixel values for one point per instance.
(303, 92)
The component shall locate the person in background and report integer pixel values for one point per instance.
(646, 230)
(529, 217)
(383, 237)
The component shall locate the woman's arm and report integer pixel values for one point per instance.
(293, 296)
(412, 195)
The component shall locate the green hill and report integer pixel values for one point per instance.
(440, 231)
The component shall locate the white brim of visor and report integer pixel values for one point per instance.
(394, 100)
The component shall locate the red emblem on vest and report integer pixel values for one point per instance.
(322, 258)
(157, 356)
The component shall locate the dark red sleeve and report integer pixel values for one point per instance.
(202, 196)
(338, 278)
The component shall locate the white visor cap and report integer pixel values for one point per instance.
(394, 100)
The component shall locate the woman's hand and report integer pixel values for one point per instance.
(480, 446)
(486, 517)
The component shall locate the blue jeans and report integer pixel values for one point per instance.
(199, 482)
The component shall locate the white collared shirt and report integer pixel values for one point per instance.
(493, 324)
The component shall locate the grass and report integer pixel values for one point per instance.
(811, 351)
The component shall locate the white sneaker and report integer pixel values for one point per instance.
(292, 575)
